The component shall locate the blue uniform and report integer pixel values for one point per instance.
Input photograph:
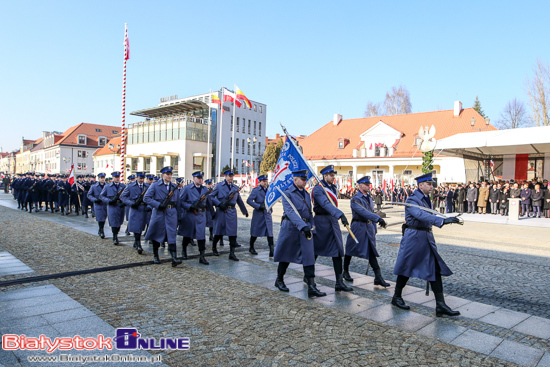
(362, 210)
(328, 239)
(210, 212)
(262, 223)
(292, 245)
(163, 225)
(193, 225)
(225, 223)
(100, 208)
(63, 192)
(137, 218)
(115, 212)
(418, 254)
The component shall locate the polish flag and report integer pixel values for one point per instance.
(230, 97)
(71, 175)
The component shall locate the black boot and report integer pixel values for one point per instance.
(62, 210)
(115, 236)
(175, 261)
(270, 244)
(280, 284)
(202, 259)
(441, 307)
(127, 232)
(251, 249)
(215, 250)
(100, 232)
(137, 243)
(232, 254)
(156, 259)
(399, 302)
(340, 285)
(378, 280)
(312, 290)
(86, 214)
(347, 261)
(184, 244)
(211, 237)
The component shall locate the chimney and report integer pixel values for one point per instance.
(337, 118)
(458, 108)
(277, 136)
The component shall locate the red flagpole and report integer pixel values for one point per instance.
(123, 131)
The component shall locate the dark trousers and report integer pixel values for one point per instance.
(437, 285)
(309, 271)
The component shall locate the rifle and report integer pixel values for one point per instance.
(32, 189)
(166, 200)
(116, 198)
(139, 200)
(200, 200)
(230, 197)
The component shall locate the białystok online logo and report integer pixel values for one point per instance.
(125, 339)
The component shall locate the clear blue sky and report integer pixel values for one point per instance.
(61, 61)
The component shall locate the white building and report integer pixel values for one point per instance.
(107, 159)
(192, 134)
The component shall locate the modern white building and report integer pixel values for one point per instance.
(192, 134)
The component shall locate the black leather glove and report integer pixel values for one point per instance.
(222, 207)
(98, 201)
(213, 216)
(307, 231)
(112, 201)
(451, 220)
(246, 214)
(262, 206)
(148, 209)
(382, 223)
(135, 205)
(344, 220)
(162, 207)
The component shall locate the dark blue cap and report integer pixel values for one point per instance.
(303, 173)
(198, 174)
(150, 176)
(140, 174)
(229, 172)
(131, 177)
(209, 181)
(364, 180)
(328, 169)
(179, 179)
(101, 174)
(166, 169)
(156, 178)
(427, 177)
(262, 177)
(115, 174)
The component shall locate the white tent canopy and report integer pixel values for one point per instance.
(497, 143)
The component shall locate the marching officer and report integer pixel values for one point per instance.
(132, 196)
(87, 184)
(100, 208)
(225, 196)
(193, 223)
(363, 225)
(210, 212)
(63, 191)
(115, 207)
(295, 241)
(418, 256)
(76, 192)
(163, 197)
(328, 236)
(131, 179)
(262, 223)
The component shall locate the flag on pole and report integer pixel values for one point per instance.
(229, 96)
(240, 95)
(216, 100)
(71, 175)
(290, 160)
(126, 46)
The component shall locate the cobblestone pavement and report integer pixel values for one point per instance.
(230, 321)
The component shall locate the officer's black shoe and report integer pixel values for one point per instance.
(193, 243)
(202, 259)
(175, 261)
(101, 233)
(340, 286)
(378, 280)
(399, 302)
(441, 309)
(252, 250)
(305, 280)
(270, 250)
(312, 290)
(215, 251)
(62, 211)
(115, 239)
(162, 244)
(280, 284)
(139, 248)
(211, 238)
(52, 210)
(135, 243)
(238, 245)
(127, 232)
(232, 255)
(183, 253)
(347, 277)
(221, 242)
(156, 259)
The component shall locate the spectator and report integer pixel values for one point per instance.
(503, 198)
(537, 196)
(471, 197)
(525, 195)
(494, 194)
(483, 198)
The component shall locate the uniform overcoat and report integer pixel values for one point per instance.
(225, 223)
(362, 211)
(328, 237)
(137, 218)
(164, 223)
(262, 222)
(115, 212)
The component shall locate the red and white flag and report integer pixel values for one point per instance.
(229, 96)
(71, 175)
(126, 46)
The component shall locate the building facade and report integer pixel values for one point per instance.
(192, 134)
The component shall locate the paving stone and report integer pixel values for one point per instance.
(6, 325)
(67, 315)
(442, 330)
(451, 301)
(40, 310)
(34, 302)
(476, 310)
(32, 292)
(361, 280)
(381, 313)
(545, 360)
(517, 353)
(418, 297)
(504, 318)
(7, 358)
(536, 326)
(410, 321)
(476, 341)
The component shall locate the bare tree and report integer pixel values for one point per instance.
(373, 109)
(538, 90)
(513, 116)
(397, 102)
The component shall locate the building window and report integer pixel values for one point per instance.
(254, 149)
(148, 164)
(340, 145)
(377, 151)
(174, 162)
(248, 149)
(243, 146)
(97, 130)
(230, 145)
(237, 146)
(134, 164)
(254, 127)
(407, 172)
(102, 141)
(260, 109)
(82, 139)
(237, 124)
(254, 108)
(259, 148)
(231, 129)
(82, 154)
(260, 127)
(237, 164)
(249, 123)
(114, 131)
(160, 163)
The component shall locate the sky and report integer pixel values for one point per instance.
(61, 61)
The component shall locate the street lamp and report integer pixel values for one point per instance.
(250, 151)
